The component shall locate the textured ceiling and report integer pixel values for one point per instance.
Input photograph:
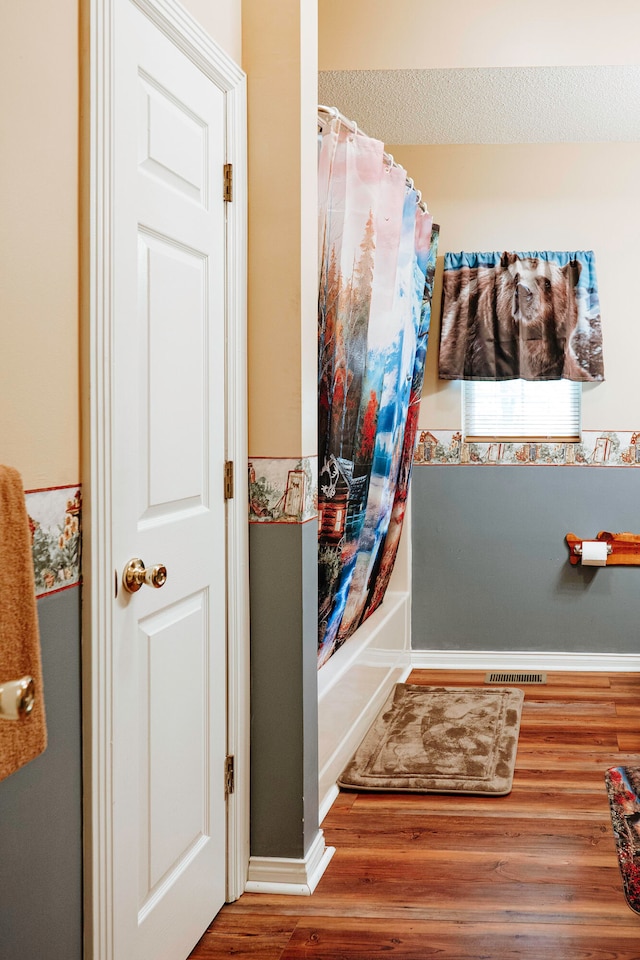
(489, 105)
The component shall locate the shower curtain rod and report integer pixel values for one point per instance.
(332, 113)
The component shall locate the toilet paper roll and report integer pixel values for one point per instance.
(594, 553)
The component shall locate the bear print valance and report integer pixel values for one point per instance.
(533, 315)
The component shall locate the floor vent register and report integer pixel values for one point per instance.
(515, 678)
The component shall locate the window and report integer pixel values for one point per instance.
(521, 410)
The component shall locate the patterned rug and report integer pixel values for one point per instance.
(440, 740)
(623, 788)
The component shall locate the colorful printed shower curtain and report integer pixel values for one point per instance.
(533, 315)
(373, 321)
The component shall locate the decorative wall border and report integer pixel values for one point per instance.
(55, 521)
(597, 448)
(283, 490)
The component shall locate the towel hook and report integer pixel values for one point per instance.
(17, 698)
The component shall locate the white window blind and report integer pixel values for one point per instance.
(521, 409)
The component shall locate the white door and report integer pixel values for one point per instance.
(168, 451)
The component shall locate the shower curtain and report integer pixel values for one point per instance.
(376, 244)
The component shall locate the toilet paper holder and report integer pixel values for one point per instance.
(622, 548)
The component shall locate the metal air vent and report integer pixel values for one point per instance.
(515, 678)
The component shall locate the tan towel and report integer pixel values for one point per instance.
(20, 740)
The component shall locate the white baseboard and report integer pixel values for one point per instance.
(289, 876)
(505, 661)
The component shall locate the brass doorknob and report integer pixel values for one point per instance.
(136, 574)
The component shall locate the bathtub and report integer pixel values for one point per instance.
(354, 683)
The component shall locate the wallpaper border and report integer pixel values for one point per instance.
(283, 489)
(597, 448)
(55, 522)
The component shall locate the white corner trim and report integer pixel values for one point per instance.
(525, 660)
(288, 876)
(328, 801)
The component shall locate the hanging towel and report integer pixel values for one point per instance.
(20, 740)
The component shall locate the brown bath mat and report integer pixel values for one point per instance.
(440, 740)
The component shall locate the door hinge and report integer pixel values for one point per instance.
(227, 192)
(228, 480)
(229, 776)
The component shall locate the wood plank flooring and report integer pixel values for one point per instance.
(529, 876)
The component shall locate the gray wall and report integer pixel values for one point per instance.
(490, 562)
(283, 574)
(41, 808)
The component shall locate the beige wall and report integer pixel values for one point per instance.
(545, 197)
(416, 34)
(39, 356)
(279, 56)
(222, 19)
(39, 420)
(519, 197)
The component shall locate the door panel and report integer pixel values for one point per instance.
(173, 693)
(172, 140)
(169, 644)
(173, 296)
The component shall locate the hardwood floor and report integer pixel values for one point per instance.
(529, 876)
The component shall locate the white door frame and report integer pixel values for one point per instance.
(98, 62)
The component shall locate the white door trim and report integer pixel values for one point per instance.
(97, 330)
